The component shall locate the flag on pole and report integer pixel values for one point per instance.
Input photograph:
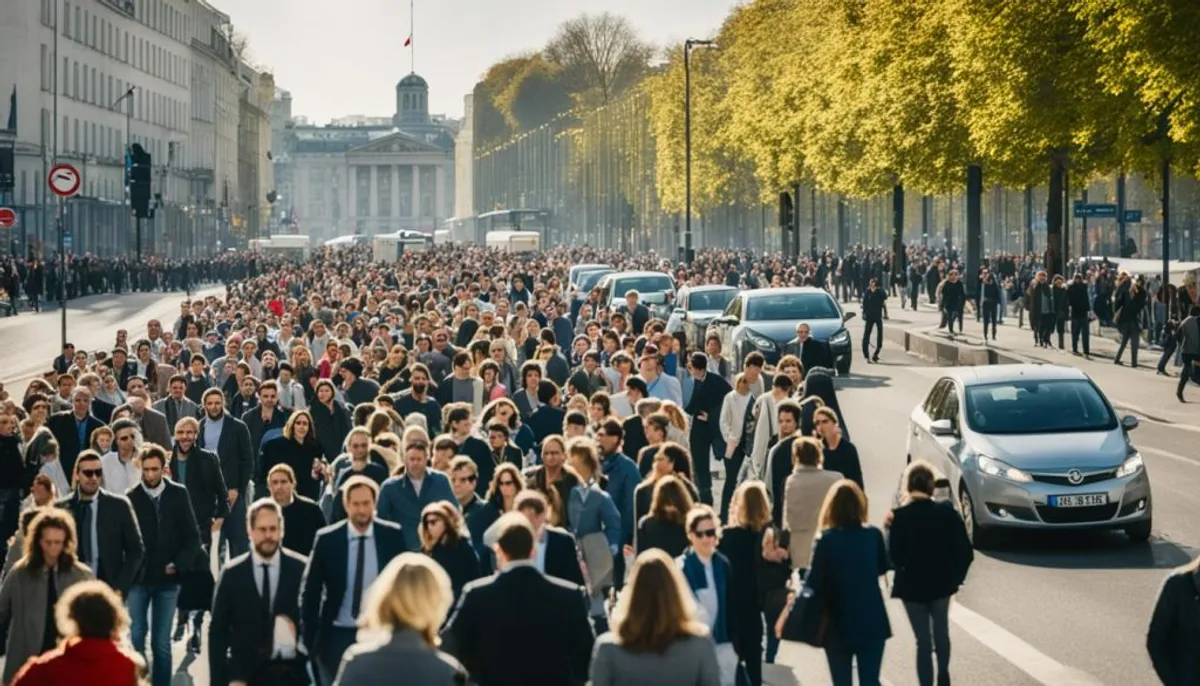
(408, 41)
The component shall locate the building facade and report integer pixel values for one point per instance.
(79, 81)
(364, 174)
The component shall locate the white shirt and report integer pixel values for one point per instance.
(344, 617)
(539, 553)
(707, 596)
(273, 566)
(119, 476)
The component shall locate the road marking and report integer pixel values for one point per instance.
(1043, 668)
(1169, 455)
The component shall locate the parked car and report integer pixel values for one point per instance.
(1032, 447)
(656, 290)
(695, 308)
(765, 320)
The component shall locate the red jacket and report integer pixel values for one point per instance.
(91, 661)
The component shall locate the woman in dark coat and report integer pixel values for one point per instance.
(299, 449)
(742, 544)
(331, 420)
(445, 538)
(1175, 628)
(1129, 301)
(663, 527)
(818, 383)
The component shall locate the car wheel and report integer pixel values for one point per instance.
(981, 536)
(1139, 532)
(843, 368)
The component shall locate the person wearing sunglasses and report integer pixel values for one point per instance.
(110, 543)
(707, 572)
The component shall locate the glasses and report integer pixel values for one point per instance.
(91, 473)
(469, 478)
(706, 533)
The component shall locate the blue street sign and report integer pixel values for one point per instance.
(1133, 216)
(1095, 210)
(128, 168)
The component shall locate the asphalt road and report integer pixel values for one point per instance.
(1050, 609)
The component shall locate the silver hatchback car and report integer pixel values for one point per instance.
(1032, 447)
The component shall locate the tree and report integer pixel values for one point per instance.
(601, 57)
(534, 95)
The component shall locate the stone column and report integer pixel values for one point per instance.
(416, 191)
(373, 207)
(439, 197)
(351, 197)
(395, 171)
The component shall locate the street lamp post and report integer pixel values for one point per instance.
(127, 97)
(687, 139)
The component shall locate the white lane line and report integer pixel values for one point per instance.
(1169, 455)
(1043, 668)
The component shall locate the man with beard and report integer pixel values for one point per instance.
(226, 435)
(302, 517)
(258, 591)
(199, 471)
(172, 541)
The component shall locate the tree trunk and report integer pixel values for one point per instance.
(897, 231)
(1055, 219)
(974, 226)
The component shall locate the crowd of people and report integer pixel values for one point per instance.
(350, 468)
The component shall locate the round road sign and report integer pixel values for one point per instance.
(64, 180)
(8, 218)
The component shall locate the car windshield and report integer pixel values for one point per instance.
(790, 307)
(1038, 407)
(650, 287)
(710, 300)
(587, 280)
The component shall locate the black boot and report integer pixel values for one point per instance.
(194, 642)
(180, 625)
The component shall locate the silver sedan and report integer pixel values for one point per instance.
(1032, 447)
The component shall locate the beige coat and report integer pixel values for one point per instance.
(803, 495)
(23, 605)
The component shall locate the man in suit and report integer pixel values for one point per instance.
(73, 429)
(402, 498)
(558, 553)
(110, 542)
(639, 314)
(346, 558)
(123, 368)
(168, 525)
(705, 437)
(526, 398)
(535, 609)
(101, 409)
(254, 590)
(548, 417)
(152, 422)
(264, 422)
(228, 437)
(176, 405)
(812, 353)
(302, 517)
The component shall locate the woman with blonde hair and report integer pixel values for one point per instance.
(445, 539)
(656, 639)
(678, 429)
(404, 609)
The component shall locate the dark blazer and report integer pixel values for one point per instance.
(1175, 630)
(563, 560)
(173, 415)
(234, 452)
(846, 565)
(239, 645)
(325, 577)
(813, 354)
(708, 396)
(635, 438)
(302, 520)
(544, 421)
(118, 538)
(929, 550)
(668, 537)
(262, 432)
(62, 425)
(536, 610)
(205, 487)
(693, 572)
(461, 562)
(102, 409)
(155, 427)
(169, 533)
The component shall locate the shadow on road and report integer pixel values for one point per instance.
(181, 676)
(1087, 550)
(860, 381)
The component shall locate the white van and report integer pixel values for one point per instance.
(515, 241)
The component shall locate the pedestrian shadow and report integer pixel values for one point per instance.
(779, 675)
(181, 677)
(861, 381)
(1082, 550)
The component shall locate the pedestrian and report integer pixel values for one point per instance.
(990, 306)
(253, 637)
(931, 553)
(172, 541)
(839, 454)
(1175, 628)
(708, 573)
(403, 497)
(446, 540)
(1189, 346)
(656, 638)
(705, 439)
(664, 526)
(408, 603)
(873, 305)
(302, 516)
(732, 423)
(954, 299)
(595, 523)
(298, 447)
(742, 544)
(110, 542)
(1079, 311)
(29, 593)
(1129, 301)
(229, 438)
(803, 497)
(92, 621)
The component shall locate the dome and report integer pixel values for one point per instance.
(412, 81)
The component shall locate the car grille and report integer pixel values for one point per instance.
(1061, 479)
(1077, 515)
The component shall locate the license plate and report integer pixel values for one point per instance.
(1081, 500)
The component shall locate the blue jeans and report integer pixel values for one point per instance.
(163, 599)
(841, 664)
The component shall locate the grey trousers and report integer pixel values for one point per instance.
(931, 626)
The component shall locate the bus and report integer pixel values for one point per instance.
(514, 220)
(389, 247)
(457, 230)
(298, 248)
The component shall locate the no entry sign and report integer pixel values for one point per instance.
(8, 218)
(64, 180)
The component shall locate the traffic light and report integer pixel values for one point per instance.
(139, 181)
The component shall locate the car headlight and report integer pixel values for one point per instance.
(840, 337)
(760, 342)
(1132, 465)
(994, 467)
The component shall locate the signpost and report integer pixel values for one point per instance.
(1133, 216)
(64, 181)
(1084, 210)
(8, 218)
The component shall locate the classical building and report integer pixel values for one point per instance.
(159, 73)
(363, 174)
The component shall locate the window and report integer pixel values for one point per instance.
(66, 133)
(75, 135)
(1031, 407)
(791, 307)
(95, 94)
(46, 66)
(66, 75)
(46, 13)
(75, 80)
(78, 22)
(66, 27)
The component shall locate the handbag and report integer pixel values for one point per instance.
(809, 620)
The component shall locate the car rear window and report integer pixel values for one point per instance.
(1038, 407)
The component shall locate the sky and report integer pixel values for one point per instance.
(342, 58)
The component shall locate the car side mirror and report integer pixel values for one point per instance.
(1129, 422)
(848, 316)
(728, 320)
(679, 311)
(942, 427)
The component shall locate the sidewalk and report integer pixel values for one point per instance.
(1140, 390)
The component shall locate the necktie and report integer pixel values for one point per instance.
(266, 593)
(358, 576)
(50, 632)
(85, 534)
